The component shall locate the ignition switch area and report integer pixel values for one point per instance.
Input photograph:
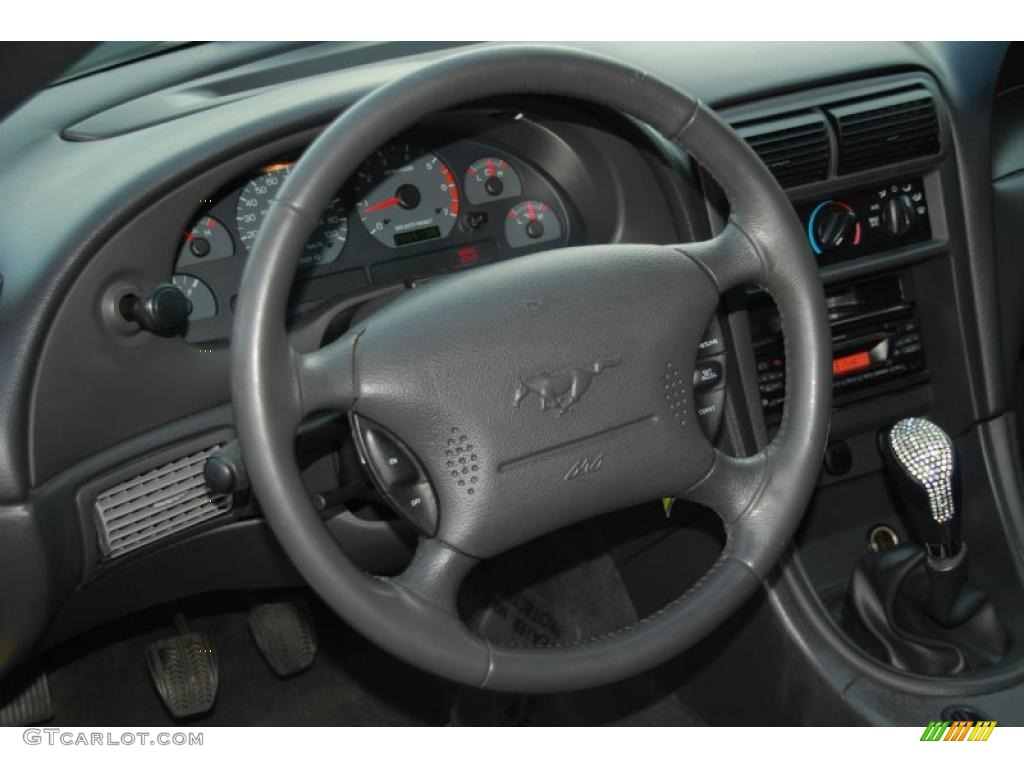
(397, 474)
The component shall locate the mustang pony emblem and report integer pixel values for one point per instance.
(561, 389)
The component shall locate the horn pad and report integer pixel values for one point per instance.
(540, 391)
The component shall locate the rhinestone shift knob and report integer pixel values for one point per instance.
(925, 453)
(923, 467)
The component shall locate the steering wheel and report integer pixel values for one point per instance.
(596, 345)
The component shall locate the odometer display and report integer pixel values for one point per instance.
(327, 240)
(417, 235)
(406, 196)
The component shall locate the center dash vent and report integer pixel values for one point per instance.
(885, 130)
(795, 149)
(156, 504)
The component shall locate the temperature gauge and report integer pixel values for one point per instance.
(491, 178)
(208, 240)
(531, 222)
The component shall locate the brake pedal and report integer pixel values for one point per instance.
(25, 701)
(285, 635)
(184, 670)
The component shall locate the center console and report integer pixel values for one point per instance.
(876, 342)
(888, 232)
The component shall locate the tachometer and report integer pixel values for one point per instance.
(406, 196)
(328, 238)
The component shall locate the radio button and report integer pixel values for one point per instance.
(909, 349)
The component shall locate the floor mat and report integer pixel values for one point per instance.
(561, 588)
(576, 593)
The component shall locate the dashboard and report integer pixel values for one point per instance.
(567, 177)
(419, 207)
(91, 402)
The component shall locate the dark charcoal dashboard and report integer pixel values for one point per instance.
(871, 143)
(571, 180)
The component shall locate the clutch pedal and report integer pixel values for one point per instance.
(25, 701)
(184, 671)
(285, 635)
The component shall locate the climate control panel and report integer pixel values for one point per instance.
(867, 221)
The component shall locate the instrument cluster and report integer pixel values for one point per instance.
(413, 210)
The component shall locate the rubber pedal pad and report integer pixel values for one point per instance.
(185, 672)
(25, 701)
(285, 635)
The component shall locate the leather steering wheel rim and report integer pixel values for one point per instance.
(659, 452)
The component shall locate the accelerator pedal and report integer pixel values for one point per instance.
(25, 701)
(285, 635)
(184, 670)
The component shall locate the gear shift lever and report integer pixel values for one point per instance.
(915, 609)
(924, 469)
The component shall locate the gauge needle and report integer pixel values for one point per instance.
(382, 204)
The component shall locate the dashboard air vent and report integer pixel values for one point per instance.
(156, 504)
(885, 130)
(795, 149)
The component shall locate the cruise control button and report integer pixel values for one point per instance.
(707, 375)
(417, 505)
(392, 464)
(397, 475)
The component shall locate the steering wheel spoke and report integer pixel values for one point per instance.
(325, 377)
(731, 485)
(731, 258)
(436, 573)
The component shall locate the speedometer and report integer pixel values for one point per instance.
(406, 196)
(328, 238)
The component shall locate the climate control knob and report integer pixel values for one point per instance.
(899, 215)
(833, 224)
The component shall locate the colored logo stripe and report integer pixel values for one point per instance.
(958, 730)
(982, 730)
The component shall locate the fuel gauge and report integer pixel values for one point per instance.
(202, 302)
(208, 240)
(491, 178)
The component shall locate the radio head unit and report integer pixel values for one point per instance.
(876, 343)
